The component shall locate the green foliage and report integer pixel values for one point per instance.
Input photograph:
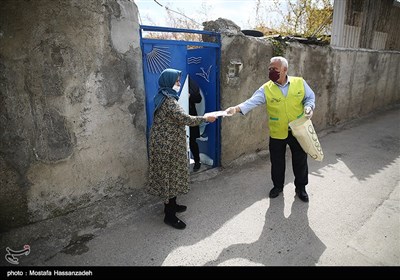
(303, 18)
(278, 47)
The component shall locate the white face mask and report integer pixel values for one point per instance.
(176, 88)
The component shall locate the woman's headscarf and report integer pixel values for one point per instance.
(166, 81)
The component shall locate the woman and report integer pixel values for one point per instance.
(168, 170)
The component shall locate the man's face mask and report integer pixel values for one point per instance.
(273, 75)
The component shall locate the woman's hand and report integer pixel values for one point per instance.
(210, 117)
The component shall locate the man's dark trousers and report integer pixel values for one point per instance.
(277, 152)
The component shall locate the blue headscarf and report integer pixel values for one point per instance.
(166, 81)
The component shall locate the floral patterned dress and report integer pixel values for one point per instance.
(168, 163)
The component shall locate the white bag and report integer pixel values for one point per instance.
(305, 134)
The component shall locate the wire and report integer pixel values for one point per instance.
(158, 3)
(169, 9)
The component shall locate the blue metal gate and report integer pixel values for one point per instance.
(201, 63)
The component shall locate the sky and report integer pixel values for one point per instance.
(240, 12)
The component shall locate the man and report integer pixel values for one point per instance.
(287, 98)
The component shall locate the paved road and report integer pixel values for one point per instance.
(352, 219)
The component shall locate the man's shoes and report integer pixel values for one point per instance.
(196, 166)
(174, 222)
(275, 192)
(302, 194)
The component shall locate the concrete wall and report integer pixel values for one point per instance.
(365, 81)
(348, 84)
(244, 68)
(314, 64)
(72, 110)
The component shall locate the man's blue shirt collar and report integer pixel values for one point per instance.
(284, 85)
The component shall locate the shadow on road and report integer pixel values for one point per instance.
(283, 241)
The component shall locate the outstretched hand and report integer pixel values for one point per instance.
(232, 110)
(210, 117)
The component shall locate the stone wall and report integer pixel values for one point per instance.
(364, 82)
(72, 114)
(244, 68)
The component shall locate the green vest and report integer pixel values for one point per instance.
(282, 110)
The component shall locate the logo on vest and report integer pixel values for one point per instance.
(275, 100)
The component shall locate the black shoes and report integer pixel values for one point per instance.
(275, 192)
(170, 209)
(173, 221)
(176, 207)
(196, 166)
(302, 194)
(180, 208)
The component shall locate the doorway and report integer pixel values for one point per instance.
(196, 59)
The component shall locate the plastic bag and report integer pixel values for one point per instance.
(305, 134)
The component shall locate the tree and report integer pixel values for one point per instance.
(260, 22)
(296, 17)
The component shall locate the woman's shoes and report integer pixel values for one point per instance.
(180, 208)
(173, 221)
(170, 209)
(172, 206)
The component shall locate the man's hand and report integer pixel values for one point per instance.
(232, 110)
(308, 112)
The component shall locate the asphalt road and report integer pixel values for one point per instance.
(352, 219)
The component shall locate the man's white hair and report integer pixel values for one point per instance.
(281, 59)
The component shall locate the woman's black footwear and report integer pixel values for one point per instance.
(178, 208)
(170, 218)
(173, 221)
